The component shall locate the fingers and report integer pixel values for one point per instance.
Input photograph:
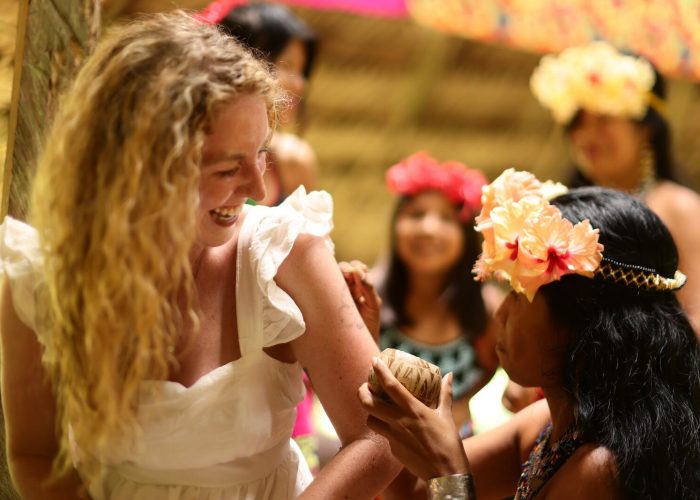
(377, 408)
(445, 404)
(358, 269)
(396, 392)
(356, 275)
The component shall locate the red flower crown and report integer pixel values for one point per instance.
(421, 172)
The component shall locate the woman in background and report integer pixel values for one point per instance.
(431, 307)
(613, 108)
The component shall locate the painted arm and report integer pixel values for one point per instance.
(336, 350)
(29, 409)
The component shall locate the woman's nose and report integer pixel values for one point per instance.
(253, 185)
(430, 223)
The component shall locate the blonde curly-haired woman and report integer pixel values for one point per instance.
(154, 328)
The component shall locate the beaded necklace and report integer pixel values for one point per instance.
(544, 461)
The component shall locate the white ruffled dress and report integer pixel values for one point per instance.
(228, 435)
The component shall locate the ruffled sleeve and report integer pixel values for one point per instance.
(266, 239)
(20, 264)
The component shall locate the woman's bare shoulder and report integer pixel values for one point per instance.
(673, 201)
(591, 472)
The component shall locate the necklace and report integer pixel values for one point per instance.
(648, 170)
(545, 461)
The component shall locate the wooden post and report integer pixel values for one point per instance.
(13, 25)
(52, 42)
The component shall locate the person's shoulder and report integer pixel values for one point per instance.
(292, 149)
(591, 472)
(527, 425)
(673, 201)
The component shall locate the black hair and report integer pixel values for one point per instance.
(462, 294)
(633, 368)
(659, 137)
(268, 28)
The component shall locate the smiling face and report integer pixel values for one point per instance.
(608, 149)
(233, 163)
(429, 236)
(530, 345)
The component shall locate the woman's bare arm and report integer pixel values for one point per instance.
(29, 409)
(336, 351)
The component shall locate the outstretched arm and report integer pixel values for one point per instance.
(29, 409)
(336, 351)
(427, 443)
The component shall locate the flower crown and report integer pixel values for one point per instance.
(598, 78)
(528, 243)
(420, 172)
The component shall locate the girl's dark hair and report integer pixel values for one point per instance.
(268, 28)
(462, 293)
(633, 370)
(659, 134)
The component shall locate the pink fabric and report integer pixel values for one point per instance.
(304, 425)
(382, 8)
(217, 10)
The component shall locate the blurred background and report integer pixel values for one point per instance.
(390, 80)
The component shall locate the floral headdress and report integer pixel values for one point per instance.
(420, 172)
(598, 78)
(528, 243)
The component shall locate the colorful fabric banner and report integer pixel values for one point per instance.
(667, 32)
(383, 8)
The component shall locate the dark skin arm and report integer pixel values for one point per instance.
(428, 445)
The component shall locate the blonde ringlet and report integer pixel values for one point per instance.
(114, 201)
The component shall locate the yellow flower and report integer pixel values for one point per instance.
(595, 77)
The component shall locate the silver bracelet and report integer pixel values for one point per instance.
(454, 487)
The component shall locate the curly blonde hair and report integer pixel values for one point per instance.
(114, 201)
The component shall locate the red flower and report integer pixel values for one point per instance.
(421, 172)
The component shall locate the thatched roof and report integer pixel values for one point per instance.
(383, 89)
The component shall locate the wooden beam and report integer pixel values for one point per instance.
(56, 37)
(6, 178)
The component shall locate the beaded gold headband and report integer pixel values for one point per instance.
(528, 242)
(641, 277)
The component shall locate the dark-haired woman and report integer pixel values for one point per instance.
(431, 307)
(613, 108)
(594, 320)
(289, 45)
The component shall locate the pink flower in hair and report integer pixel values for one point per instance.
(421, 172)
(526, 240)
(502, 234)
(510, 185)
